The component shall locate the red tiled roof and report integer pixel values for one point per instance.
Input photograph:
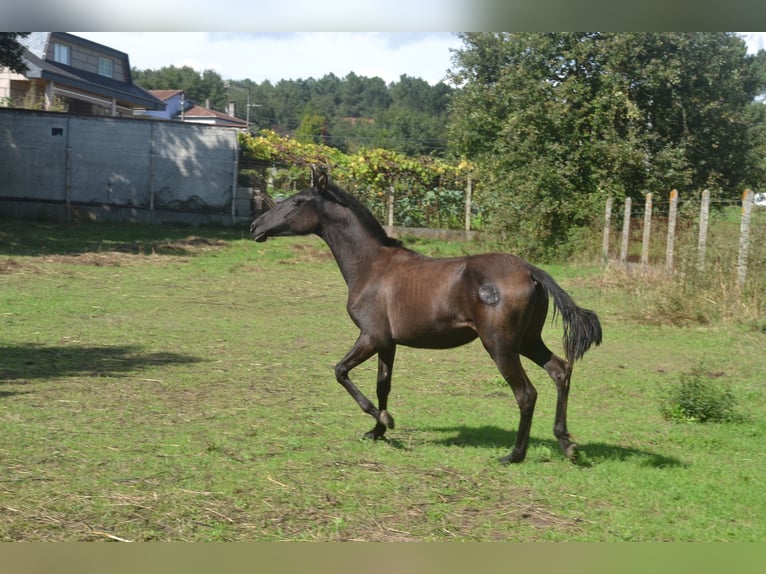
(164, 94)
(200, 112)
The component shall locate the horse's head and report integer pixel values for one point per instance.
(299, 214)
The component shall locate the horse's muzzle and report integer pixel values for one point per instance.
(259, 236)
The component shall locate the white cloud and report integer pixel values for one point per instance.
(755, 41)
(276, 56)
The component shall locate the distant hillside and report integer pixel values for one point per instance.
(409, 116)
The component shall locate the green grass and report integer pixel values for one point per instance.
(161, 383)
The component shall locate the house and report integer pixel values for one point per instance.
(77, 75)
(179, 108)
(175, 101)
(198, 114)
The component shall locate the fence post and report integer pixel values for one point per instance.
(152, 176)
(390, 201)
(234, 181)
(704, 216)
(68, 172)
(625, 232)
(647, 231)
(152, 169)
(744, 237)
(607, 221)
(468, 193)
(671, 230)
(68, 182)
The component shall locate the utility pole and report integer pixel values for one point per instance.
(249, 105)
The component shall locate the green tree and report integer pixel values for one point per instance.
(408, 116)
(361, 97)
(312, 129)
(11, 51)
(557, 121)
(199, 87)
(414, 123)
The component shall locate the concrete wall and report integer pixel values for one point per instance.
(59, 166)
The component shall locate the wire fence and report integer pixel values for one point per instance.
(649, 235)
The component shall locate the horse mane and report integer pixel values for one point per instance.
(362, 213)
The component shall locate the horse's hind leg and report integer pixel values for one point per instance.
(385, 367)
(509, 364)
(561, 372)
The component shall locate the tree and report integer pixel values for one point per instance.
(408, 116)
(312, 129)
(196, 86)
(361, 97)
(557, 121)
(11, 51)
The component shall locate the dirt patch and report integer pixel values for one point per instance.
(117, 255)
(187, 246)
(100, 259)
(10, 265)
(307, 253)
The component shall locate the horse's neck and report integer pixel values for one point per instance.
(355, 250)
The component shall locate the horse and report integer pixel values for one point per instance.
(397, 296)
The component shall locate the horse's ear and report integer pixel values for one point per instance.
(322, 181)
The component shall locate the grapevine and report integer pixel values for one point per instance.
(370, 173)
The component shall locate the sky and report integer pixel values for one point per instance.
(276, 56)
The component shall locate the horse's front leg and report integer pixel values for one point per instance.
(385, 367)
(363, 349)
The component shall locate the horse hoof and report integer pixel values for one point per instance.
(513, 458)
(386, 419)
(571, 452)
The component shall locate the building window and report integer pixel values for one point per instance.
(61, 54)
(105, 67)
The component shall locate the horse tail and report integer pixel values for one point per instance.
(582, 327)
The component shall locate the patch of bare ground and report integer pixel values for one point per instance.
(119, 255)
(188, 246)
(453, 507)
(307, 253)
(10, 265)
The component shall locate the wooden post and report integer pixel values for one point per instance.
(68, 183)
(607, 221)
(152, 168)
(625, 232)
(234, 182)
(704, 217)
(390, 200)
(68, 172)
(468, 193)
(744, 237)
(647, 231)
(671, 230)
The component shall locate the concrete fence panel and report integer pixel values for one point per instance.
(59, 166)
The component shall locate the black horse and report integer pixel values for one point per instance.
(397, 296)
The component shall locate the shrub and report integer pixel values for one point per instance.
(699, 397)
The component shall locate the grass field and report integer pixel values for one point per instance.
(163, 383)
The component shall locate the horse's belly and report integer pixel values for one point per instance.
(436, 338)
